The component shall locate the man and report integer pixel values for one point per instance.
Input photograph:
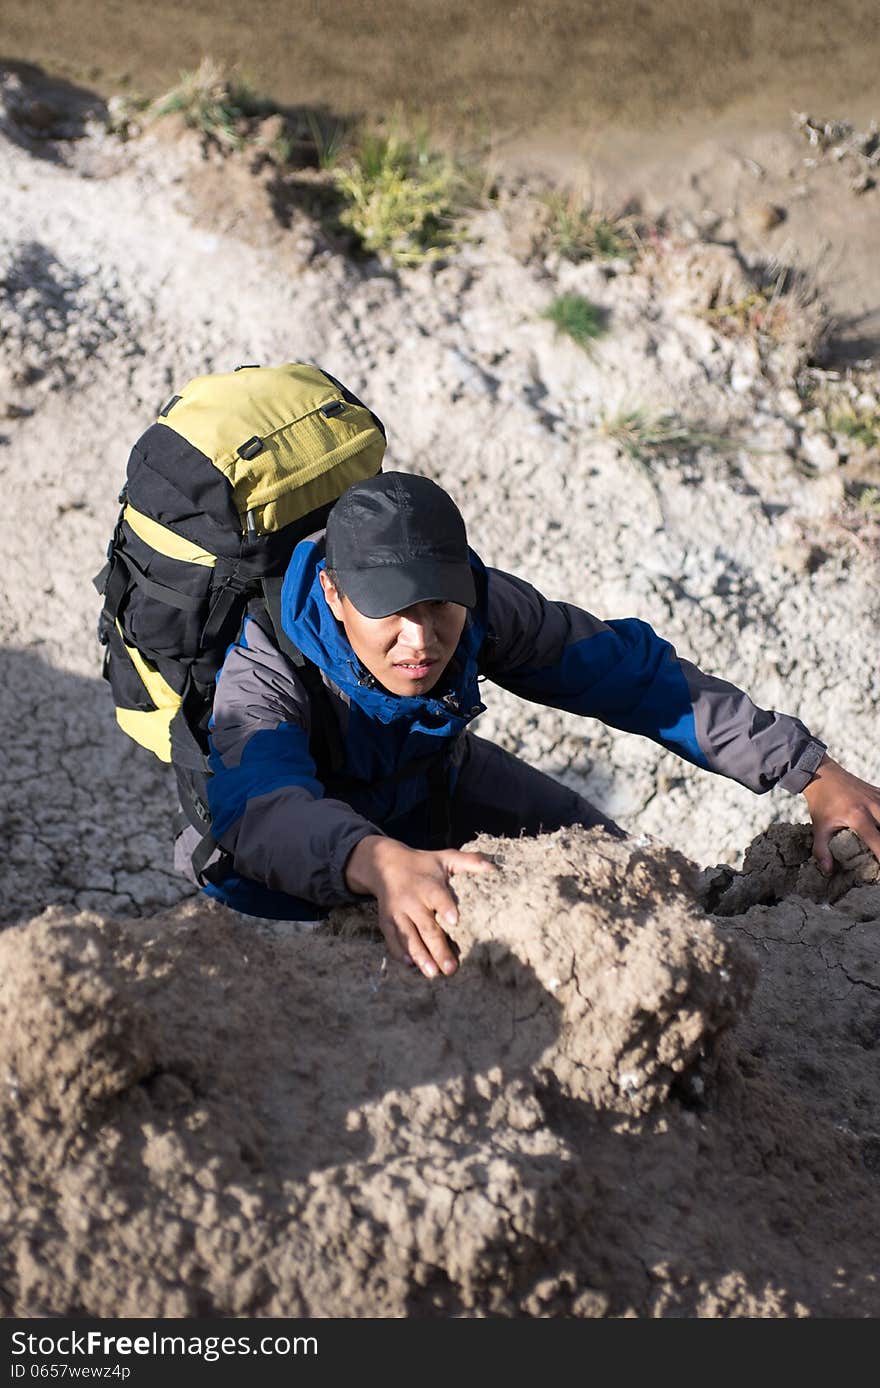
(364, 781)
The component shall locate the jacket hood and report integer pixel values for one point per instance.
(311, 626)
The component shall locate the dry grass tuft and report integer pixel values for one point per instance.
(579, 229)
(645, 438)
(213, 100)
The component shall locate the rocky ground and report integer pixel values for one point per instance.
(648, 1091)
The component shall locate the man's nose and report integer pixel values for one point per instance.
(416, 626)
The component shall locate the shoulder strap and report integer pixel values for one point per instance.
(272, 601)
(325, 742)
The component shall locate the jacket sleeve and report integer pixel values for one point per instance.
(624, 674)
(268, 807)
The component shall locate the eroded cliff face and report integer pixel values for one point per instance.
(619, 1105)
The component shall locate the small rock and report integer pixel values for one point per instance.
(741, 381)
(527, 222)
(823, 494)
(771, 432)
(820, 452)
(800, 557)
(789, 401)
(763, 216)
(271, 128)
(848, 850)
(709, 221)
(26, 374)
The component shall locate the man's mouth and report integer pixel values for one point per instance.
(414, 669)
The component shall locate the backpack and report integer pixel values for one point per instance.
(237, 469)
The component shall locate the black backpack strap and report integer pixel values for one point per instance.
(118, 574)
(100, 579)
(228, 601)
(325, 740)
(112, 582)
(110, 588)
(201, 856)
(272, 600)
(194, 811)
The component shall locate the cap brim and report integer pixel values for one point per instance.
(379, 592)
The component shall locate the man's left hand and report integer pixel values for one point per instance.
(839, 800)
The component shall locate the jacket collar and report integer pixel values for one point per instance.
(311, 626)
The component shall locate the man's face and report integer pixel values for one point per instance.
(408, 651)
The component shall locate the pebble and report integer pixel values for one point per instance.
(820, 452)
(763, 216)
(822, 494)
(741, 381)
(790, 402)
(799, 556)
(771, 432)
(273, 128)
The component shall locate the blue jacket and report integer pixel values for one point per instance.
(290, 823)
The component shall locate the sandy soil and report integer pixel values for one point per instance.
(648, 1091)
(562, 68)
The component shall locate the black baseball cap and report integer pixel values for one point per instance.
(397, 539)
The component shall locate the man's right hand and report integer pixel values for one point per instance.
(411, 887)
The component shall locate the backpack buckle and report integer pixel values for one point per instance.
(250, 448)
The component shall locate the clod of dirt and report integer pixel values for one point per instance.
(814, 1024)
(611, 933)
(779, 863)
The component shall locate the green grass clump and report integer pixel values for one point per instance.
(212, 101)
(578, 318)
(861, 425)
(579, 231)
(400, 197)
(643, 437)
(330, 137)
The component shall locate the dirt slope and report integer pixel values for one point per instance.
(569, 1127)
